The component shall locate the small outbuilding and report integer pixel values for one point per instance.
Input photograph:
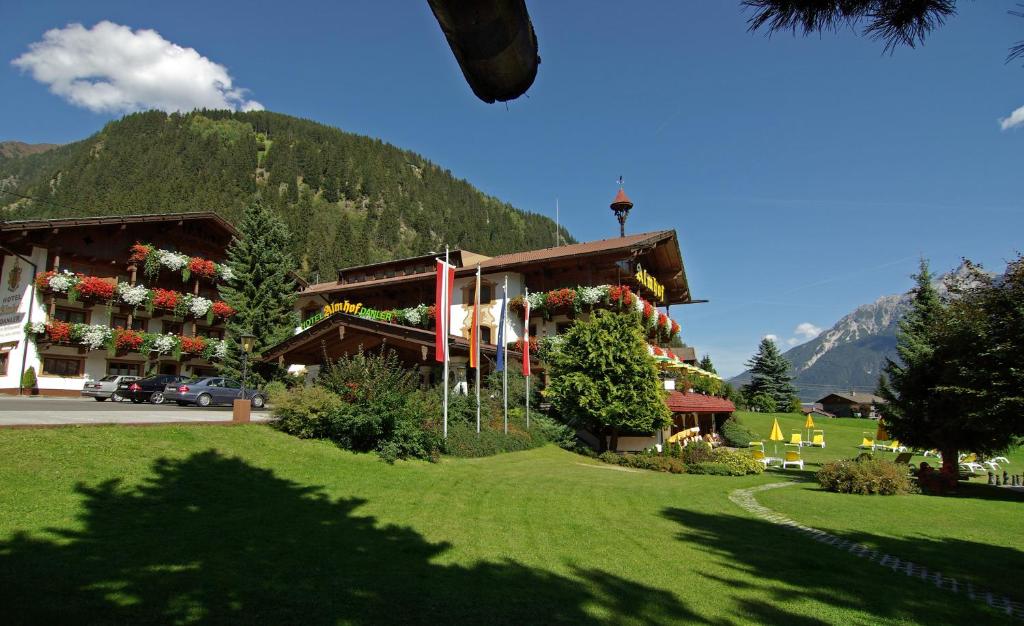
(852, 404)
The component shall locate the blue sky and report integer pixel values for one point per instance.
(805, 176)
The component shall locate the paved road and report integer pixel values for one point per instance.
(54, 411)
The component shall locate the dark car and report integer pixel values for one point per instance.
(149, 389)
(212, 390)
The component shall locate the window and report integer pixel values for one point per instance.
(121, 321)
(533, 330)
(561, 327)
(485, 334)
(5, 357)
(59, 366)
(212, 333)
(116, 368)
(231, 383)
(169, 368)
(71, 316)
(173, 327)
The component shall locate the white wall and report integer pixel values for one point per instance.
(15, 304)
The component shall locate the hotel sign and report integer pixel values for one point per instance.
(651, 283)
(351, 308)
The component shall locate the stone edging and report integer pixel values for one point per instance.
(744, 498)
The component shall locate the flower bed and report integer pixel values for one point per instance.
(154, 259)
(97, 336)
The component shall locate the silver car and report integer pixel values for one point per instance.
(211, 390)
(106, 387)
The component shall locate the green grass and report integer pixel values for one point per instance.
(247, 525)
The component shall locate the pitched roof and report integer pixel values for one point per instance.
(855, 397)
(679, 402)
(71, 222)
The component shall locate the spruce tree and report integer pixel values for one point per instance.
(706, 364)
(262, 292)
(770, 376)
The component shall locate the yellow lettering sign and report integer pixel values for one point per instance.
(650, 283)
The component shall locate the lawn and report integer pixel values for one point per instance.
(218, 524)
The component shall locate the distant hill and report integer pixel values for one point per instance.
(849, 356)
(348, 199)
(12, 149)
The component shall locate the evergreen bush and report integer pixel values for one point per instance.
(868, 476)
(736, 434)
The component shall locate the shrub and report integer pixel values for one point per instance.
(696, 452)
(464, 441)
(870, 476)
(739, 463)
(28, 379)
(610, 457)
(710, 468)
(274, 390)
(736, 434)
(306, 412)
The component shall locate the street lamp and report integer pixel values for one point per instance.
(247, 340)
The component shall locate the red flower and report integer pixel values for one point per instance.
(43, 280)
(671, 355)
(561, 299)
(648, 310)
(517, 305)
(662, 320)
(58, 331)
(140, 251)
(675, 328)
(222, 309)
(202, 267)
(432, 312)
(193, 345)
(94, 287)
(620, 295)
(165, 298)
(534, 345)
(658, 351)
(127, 339)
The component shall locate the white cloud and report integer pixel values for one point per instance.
(1015, 119)
(110, 68)
(805, 331)
(774, 338)
(792, 341)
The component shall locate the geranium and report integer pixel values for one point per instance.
(193, 345)
(165, 298)
(517, 305)
(671, 355)
(559, 299)
(60, 282)
(648, 311)
(620, 295)
(225, 272)
(199, 306)
(173, 261)
(658, 351)
(127, 340)
(662, 321)
(133, 295)
(35, 328)
(518, 345)
(43, 280)
(140, 252)
(94, 287)
(58, 331)
(95, 336)
(432, 313)
(202, 267)
(165, 344)
(222, 309)
(675, 329)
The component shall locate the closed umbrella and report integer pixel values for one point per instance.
(881, 434)
(776, 435)
(809, 424)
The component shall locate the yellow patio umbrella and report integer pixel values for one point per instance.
(776, 435)
(809, 424)
(881, 434)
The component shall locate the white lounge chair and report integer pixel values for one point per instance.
(792, 458)
(970, 463)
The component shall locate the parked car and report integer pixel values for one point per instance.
(150, 388)
(106, 387)
(212, 390)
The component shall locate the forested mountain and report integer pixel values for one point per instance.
(348, 199)
(11, 149)
(849, 356)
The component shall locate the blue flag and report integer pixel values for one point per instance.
(501, 336)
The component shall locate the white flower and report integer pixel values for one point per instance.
(172, 260)
(589, 295)
(37, 328)
(133, 295)
(165, 344)
(638, 304)
(536, 300)
(62, 282)
(199, 306)
(412, 316)
(221, 350)
(225, 272)
(95, 336)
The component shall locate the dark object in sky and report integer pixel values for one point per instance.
(494, 43)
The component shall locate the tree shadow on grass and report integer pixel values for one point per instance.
(211, 539)
(774, 568)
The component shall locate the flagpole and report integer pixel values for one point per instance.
(526, 349)
(476, 322)
(443, 313)
(504, 349)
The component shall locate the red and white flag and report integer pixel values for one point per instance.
(526, 334)
(442, 309)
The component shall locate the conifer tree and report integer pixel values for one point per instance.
(770, 376)
(262, 291)
(706, 364)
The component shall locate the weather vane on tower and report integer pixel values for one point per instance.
(621, 206)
